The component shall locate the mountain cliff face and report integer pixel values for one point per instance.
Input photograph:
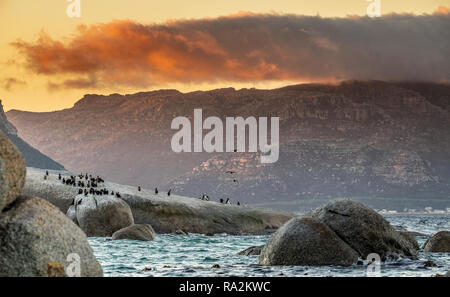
(32, 156)
(385, 142)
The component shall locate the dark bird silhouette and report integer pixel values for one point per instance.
(221, 200)
(231, 172)
(169, 193)
(59, 176)
(139, 188)
(228, 201)
(156, 191)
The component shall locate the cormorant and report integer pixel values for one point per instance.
(170, 192)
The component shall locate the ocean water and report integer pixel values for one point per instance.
(194, 255)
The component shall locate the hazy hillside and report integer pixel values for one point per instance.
(359, 139)
(32, 156)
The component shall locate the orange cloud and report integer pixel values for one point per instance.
(442, 10)
(244, 47)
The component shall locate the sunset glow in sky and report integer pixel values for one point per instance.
(49, 61)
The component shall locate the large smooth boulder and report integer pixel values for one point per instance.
(12, 171)
(438, 243)
(135, 232)
(101, 216)
(364, 230)
(34, 235)
(306, 241)
(72, 214)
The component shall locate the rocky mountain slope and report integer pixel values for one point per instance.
(33, 157)
(383, 142)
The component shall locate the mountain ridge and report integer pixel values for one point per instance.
(356, 138)
(33, 157)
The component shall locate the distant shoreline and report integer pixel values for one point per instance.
(414, 214)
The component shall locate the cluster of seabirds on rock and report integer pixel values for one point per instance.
(89, 185)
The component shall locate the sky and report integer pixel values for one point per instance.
(49, 60)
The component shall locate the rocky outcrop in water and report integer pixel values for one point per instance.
(306, 241)
(364, 230)
(165, 214)
(252, 251)
(336, 234)
(135, 232)
(168, 214)
(34, 234)
(411, 237)
(12, 172)
(438, 243)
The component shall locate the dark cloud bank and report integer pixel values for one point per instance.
(247, 48)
